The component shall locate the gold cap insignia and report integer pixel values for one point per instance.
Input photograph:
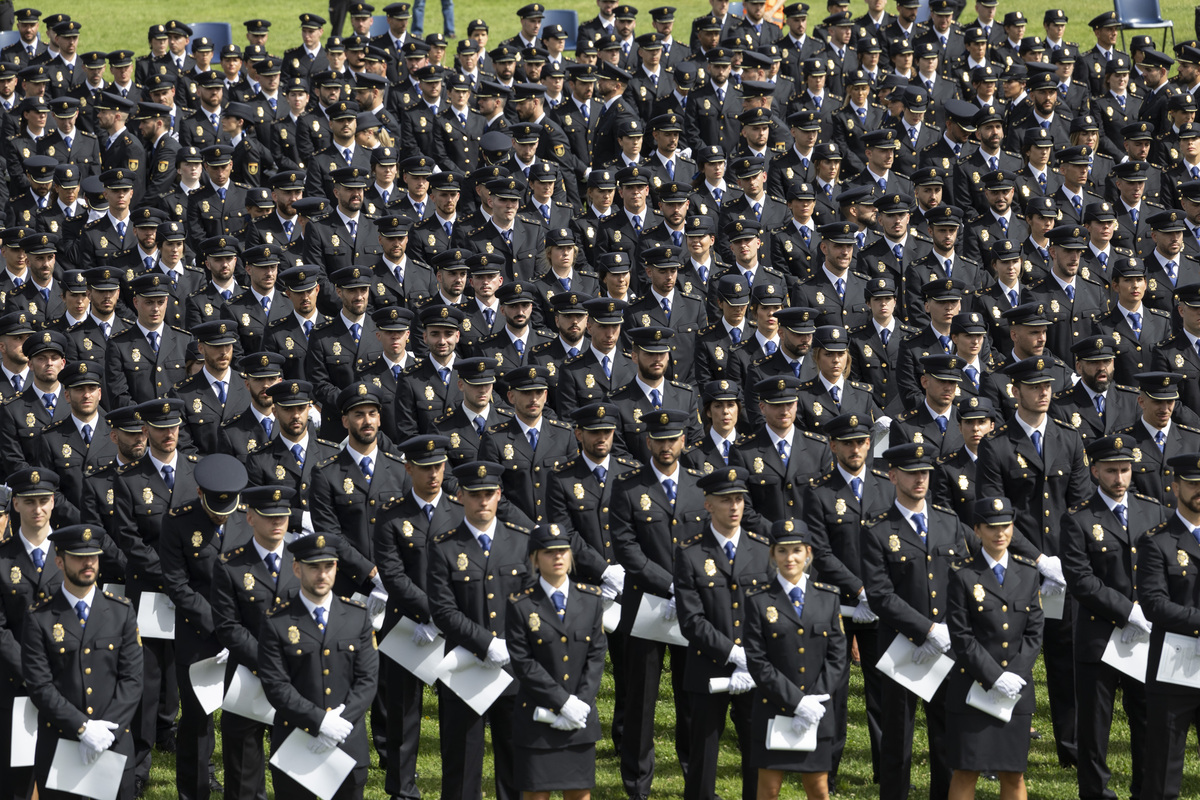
(320, 540)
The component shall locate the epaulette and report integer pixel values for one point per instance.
(860, 385)
(1148, 498)
(518, 596)
(566, 465)
(558, 423)
(762, 587)
(878, 473)
(226, 557)
(8, 400)
(705, 330)
(572, 359)
(916, 234)
(816, 437)
(905, 416)
(627, 461)
(1157, 311)
(496, 428)
(997, 431)
(1188, 428)
(391, 455)
(683, 386)
(276, 609)
(821, 479)
(328, 443)
(827, 587)
(234, 419)
(756, 536)
(587, 587)
(689, 542)
(35, 606)
(519, 528)
(181, 510)
(942, 508)
(192, 457)
(411, 368)
(876, 519)
(1064, 424)
(1026, 560)
(351, 602)
(443, 536)
(322, 326)
(118, 598)
(121, 470)
(695, 473)
(327, 461)
(625, 476)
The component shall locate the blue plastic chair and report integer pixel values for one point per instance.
(379, 25)
(8, 37)
(1142, 15)
(220, 33)
(566, 17)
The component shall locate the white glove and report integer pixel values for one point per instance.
(669, 613)
(940, 636)
(1050, 568)
(334, 727)
(740, 681)
(1137, 619)
(1052, 587)
(1009, 684)
(314, 414)
(223, 656)
(306, 524)
(614, 578)
(377, 601)
(424, 634)
(497, 654)
(926, 652)
(686, 152)
(862, 612)
(809, 711)
(608, 592)
(561, 723)
(322, 744)
(737, 656)
(97, 737)
(576, 711)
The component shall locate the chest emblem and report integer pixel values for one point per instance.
(978, 593)
(758, 465)
(577, 490)
(294, 635)
(1098, 532)
(535, 622)
(147, 495)
(348, 486)
(462, 561)
(867, 351)
(963, 482)
(772, 614)
(14, 575)
(508, 452)
(407, 528)
(279, 472)
(644, 502)
(135, 355)
(1076, 420)
(839, 507)
(197, 538)
(710, 567)
(58, 632)
(589, 381)
(337, 348)
(197, 405)
(247, 581)
(894, 543)
(1182, 558)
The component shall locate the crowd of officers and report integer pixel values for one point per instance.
(493, 344)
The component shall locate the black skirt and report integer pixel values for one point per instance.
(559, 769)
(979, 742)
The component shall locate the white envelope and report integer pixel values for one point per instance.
(612, 615)
(1001, 707)
(100, 780)
(1179, 663)
(156, 616)
(922, 680)
(478, 685)
(208, 682)
(421, 660)
(649, 622)
(246, 698)
(320, 773)
(24, 732)
(780, 736)
(377, 620)
(1133, 659)
(1053, 605)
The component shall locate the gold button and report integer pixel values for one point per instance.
(329, 691)
(326, 652)
(325, 672)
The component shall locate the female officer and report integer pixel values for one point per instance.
(995, 621)
(796, 653)
(555, 636)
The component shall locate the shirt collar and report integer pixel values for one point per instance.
(490, 530)
(311, 607)
(1153, 430)
(550, 590)
(263, 552)
(788, 585)
(908, 514)
(30, 547)
(1028, 429)
(88, 600)
(847, 477)
(721, 540)
(158, 465)
(662, 477)
(991, 562)
(646, 388)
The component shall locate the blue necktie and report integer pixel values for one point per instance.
(221, 193)
(319, 616)
(735, 335)
(671, 169)
(1036, 437)
(168, 476)
(560, 603)
(677, 238)
(444, 374)
(273, 565)
(81, 611)
(565, 283)
(717, 194)
(50, 400)
(1171, 271)
(449, 226)
(898, 250)
(1133, 215)
(396, 371)
(520, 345)
(945, 342)
(757, 211)
(489, 316)
(840, 286)
(604, 362)
(601, 473)
(352, 226)
(1135, 322)
(86, 432)
(796, 367)
(1119, 510)
(1071, 293)
(666, 307)
(856, 485)
(998, 571)
(121, 227)
(941, 423)
(485, 543)
(221, 396)
(480, 425)
(836, 394)
(1160, 439)
(1013, 298)
(308, 326)
(770, 349)
(730, 551)
(783, 451)
(656, 398)
(1103, 258)
(268, 426)
(356, 331)
(973, 374)
(922, 528)
(637, 223)
(18, 382)
(1100, 404)
(669, 487)
(365, 466)
(806, 235)
(227, 293)
(298, 453)
(725, 450)
(428, 509)
(532, 434)
(884, 335)
(39, 558)
(797, 597)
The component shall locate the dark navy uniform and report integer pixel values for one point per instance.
(527, 470)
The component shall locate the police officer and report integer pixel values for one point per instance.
(429, 387)
(1156, 435)
(66, 445)
(832, 392)
(954, 479)
(220, 254)
(714, 571)
(1096, 405)
(467, 421)
(326, 690)
(908, 555)
(128, 437)
(213, 395)
(392, 330)
(796, 328)
(88, 339)
(934, 421)
(83, 691)
(196, 537)
(290, 335)
(145, 360)
(257, 424)
(263, 303)
(602, 365)
(472, 570)
(651, 390)
(23, 417)
(248, 581)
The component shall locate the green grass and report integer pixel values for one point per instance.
(1045, 779)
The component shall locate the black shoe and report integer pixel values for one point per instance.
(166, 743)
(832, 784)
(214, 785)
(990, 776)
(1033, 734)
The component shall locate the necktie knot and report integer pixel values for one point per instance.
(919, 521)
(532, 435)
(730, 551)
(1100, 404)
(268, 426)
(783, 450)
(669, 487)
(560, 603)
(884, 335)
(735, 335)
(1160, 439)
(81, 611)
(973, 374)
(607, 365)
(221, 394)
(656, 398)
(168, 475)
(945, 342)
(308, 326)
(998, 571)
(601, 473)
(272, 561)
(428, 509)
(356, 331)
(365, 466)
(836, 394)
(50, 400)
(39, 558)
(480, 424)
(444, 374)
(86, 432)
(941, 422)
(220, 193)
(319, 616)
(298, 453)
(840, 286)
(796, 595)
(485, 543)
(856, 485)
(1119, 510)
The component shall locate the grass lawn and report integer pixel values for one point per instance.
(1045, 779)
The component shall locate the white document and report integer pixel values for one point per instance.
(612, 615)
(246, 698)
(846, 611)
(100, 780)
(115, 589)
(922, 680)
(649, 622)
(320, 773)
(421, 660)
(998, 705)
(156, 616)
(208, 682)
(1133, 659)
(24, 732)
(545, 715)
(1179, 663)
(1053, 605)
(377, 619)
(476, 683)
(718, 685)
(780, 736)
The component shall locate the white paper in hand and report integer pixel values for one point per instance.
(922, 680)
(477, 684)
(545, 715)
(1053, 605)
(1133, 658)
(156, 616)
(320, 773)
(421, 660)
(208, 682)
(1179, 663)
(846, 611)
(612, 615)
(780, 736)
(246, 698)
(649, 622)
(100, 780)
(718, 685)
(997, 705)
(24, 732)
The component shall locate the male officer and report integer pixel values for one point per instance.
(650, 391)
(511, 344)
(214, 394)
(472, 570)
(324, 691)
(601, 366)
(23, 417)
(467, 421)
(290, 335)
(1038, 462)
(934, 422)
(257, 424)
(1099, 556)
(912, 603)
(1178, 353)
(89, 339)
(712, 617)
(429, 388)
(654, 508)
(145, 360)
(1096, 405)
(82, 658)
(953, 482)
(193, 542)
(248, 581)
(66, 445)
(263, 304)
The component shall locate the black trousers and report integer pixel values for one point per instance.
(337, 16)
(868, 654)
(1169, 715)
(196, 740)
(1058, 651)
(462, 747)
(1095, 692)
(644, 666)
(618, 643)
(242, 755)
(404, 692)
(158, 657)
(709, 712)
(895, 758)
